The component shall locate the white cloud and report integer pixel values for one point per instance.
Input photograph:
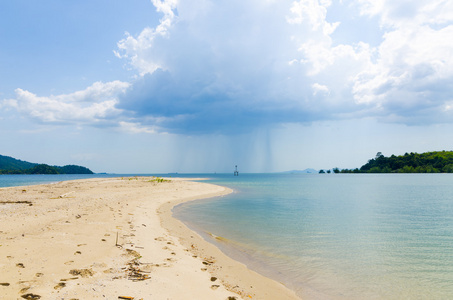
(411, 74)
(265, 62)
(97, 92)
(139, 51)
(135, 128)
(315, 12)
(406, 13)
(273, 56)
(323, 56)
(95, 104)
(319, 88)
(219, 67)
(448, 106)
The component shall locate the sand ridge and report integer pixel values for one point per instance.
(114, 238)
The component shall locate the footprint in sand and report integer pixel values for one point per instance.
(31, 297)
(59, 286)
(82, 272)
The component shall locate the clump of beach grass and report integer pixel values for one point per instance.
(159, 180)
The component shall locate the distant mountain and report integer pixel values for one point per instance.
(9, 165)
(306, 171)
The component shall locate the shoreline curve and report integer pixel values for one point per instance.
(115, 238)
(235, 276)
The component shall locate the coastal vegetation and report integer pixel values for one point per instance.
(428, 162)
(159, 179)
(9, 165)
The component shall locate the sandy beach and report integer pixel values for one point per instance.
(115, 238)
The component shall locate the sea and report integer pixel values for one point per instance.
(328, 236)
(337, 236)
(24, 180)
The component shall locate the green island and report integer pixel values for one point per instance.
(9, 165)
(428, 162)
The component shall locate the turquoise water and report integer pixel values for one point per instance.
(342, 236)
(23, 180)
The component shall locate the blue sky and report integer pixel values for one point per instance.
(176, 86)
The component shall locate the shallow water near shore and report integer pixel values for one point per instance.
(342, 236)
(25, 179)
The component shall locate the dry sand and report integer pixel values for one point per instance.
(115, 238)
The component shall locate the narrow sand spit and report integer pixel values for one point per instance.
(115, 238)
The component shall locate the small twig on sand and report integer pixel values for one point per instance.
(15, 202)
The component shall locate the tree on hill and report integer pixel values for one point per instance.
(9, 165)
(428, 162)
(43, 169)
(73, 169)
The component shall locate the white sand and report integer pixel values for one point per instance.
(64, 245)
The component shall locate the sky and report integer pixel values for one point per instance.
(159, 86)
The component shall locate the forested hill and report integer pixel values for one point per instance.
(9, 165)
(428, 162)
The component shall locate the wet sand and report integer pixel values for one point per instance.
(115, 238)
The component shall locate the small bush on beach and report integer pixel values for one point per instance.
(159, 179)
